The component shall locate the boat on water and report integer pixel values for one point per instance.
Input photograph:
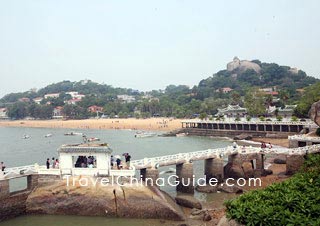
(143, 134)
(73, 134)
(92, 139)
(48, 135)
(25, 136)
(181, 134)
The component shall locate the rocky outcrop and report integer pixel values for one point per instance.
(314, 112)
(232, 170)
(230, 189)
(280, 159)
(188, 201)
(134, 201)
(242, 65)
(225, 222)
(13, 206)
(206, 188)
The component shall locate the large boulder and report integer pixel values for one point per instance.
(233, 171)
(247, 170)
(188, 201)
(242, 65)
(230, 189)
(206, 188)
(314, 112)
(133, 201)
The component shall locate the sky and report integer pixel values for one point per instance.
(149, 44)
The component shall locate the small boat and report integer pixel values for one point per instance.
(92, 139)
(143, 134)
(73, 134)
(181, 134)
(48, 135)
(25, 136)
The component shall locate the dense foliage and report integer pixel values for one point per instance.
(295, 201)
(179, 101)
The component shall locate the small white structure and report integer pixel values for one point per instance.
(85, 159)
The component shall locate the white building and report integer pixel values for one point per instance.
(3, 113)
(126, 98)
(85, 159)
(76, 95)
(38, 100)
(51, 95)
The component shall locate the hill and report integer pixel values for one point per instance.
(241, 81)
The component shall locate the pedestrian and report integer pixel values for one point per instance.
(48, 163)
(2, 166)
(57, 164)
(234, 144)
(128, 159)
(112, 161)
(270, 145)
(53, 163)
(118, 163)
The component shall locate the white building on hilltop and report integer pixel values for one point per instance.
(126, 98)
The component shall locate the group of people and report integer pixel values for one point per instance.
(2, 166)
(264, 145)
(117, 162)
(85, 162)
(53, 163)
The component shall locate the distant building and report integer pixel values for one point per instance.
(57, 113)
(95, 109)
(232, 111)
(224, 90)
(126, 98)
(38, 100)
(72, 101)
(287, 111)
(51, 95)
(76, 95)
(3, 113)
(24, 99)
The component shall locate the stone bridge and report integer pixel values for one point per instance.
(214, 165)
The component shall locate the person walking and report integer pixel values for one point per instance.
(48, 163)
(53, 163)
(128, 159)
(2, 166)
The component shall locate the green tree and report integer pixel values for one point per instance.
(254, 102)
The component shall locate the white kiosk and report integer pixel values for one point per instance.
(85, 159)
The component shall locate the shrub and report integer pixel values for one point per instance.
(248, 118)
(292, 202)
(279, 118)
(294, 118)
(318, 132)
(262, 118)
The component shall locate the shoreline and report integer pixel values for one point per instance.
(150, 124)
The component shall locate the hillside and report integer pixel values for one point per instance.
(277, 85)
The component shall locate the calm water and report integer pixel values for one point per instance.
(16, 151)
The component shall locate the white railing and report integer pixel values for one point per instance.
(304, 138)
(166, 160)
(18, 171)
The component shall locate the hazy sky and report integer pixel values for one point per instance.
(150, 44)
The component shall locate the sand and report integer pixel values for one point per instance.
(155, 124)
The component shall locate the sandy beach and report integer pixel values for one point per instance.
(152, 124)
(155, 124)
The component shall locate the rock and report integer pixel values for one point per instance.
(188, 201)
(233, 171)
(267, 172)
(111, 200)
(247, 170)
(207, 217)
(242, 66)
(230, 189)
(314, 112)
(225, 222)
(206, 189)
(243, 136)
(280, 160)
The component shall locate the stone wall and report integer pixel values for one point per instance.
(13, 206)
